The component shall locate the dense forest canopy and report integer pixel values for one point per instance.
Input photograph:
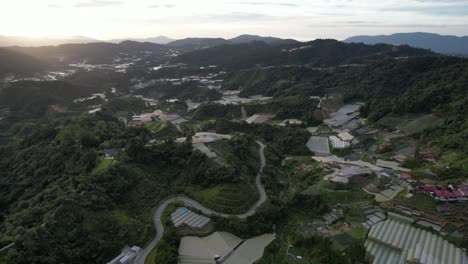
(16, 62)
(317, 53)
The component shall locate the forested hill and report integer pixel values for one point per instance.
(32, 99)
(317, 53)
(191, 44)
(415, 85)
(16, 62)
(96, 53)
(442, 44)
(426, 84)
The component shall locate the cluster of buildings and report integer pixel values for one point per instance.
(448, 193)
(333, 216)
(373, 214)
(320, 145)
(200, 138)
(148, 101)
(343, 176)
(232, 97)
(93, 96)
(211, 80)
(158, 115)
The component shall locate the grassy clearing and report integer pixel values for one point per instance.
(102, 164)
(202, 124)
(391, 121)
(409, 124)
(156, 127)
(122, 114)
(357, 232)
(151, 259)
(208, 194)
(341, 241)
(420, 124)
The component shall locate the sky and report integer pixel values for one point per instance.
(298, 19)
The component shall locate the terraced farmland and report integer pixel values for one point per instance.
(229, 198)
(421, 202)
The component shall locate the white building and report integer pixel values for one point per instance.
(338, 143)
(345, 136)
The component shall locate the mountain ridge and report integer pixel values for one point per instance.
(445, 44)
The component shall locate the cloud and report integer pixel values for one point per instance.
(162, 6)
(461, 10)
(54, 6)
(233, 17)
(266, 3)
(219, 18)
(341, 24)
(97, 3)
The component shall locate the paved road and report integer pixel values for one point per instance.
(140, 259)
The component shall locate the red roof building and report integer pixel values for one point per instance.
(406, 176)
(426, 155)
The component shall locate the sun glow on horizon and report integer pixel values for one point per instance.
(300, 19)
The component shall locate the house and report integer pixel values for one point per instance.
(108, 153)
(148, 101)
(259, 118)
(345, 136)
(345, 174)
(127, 256)
(338, 143)
(142, 118)
(446, 193)
(332, 216)
(405, 176)
(426, 155)
(291, 122)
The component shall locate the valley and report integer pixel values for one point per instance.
(304, 151)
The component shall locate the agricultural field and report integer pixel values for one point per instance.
(229, 198)
(156, 127)
(102, 164)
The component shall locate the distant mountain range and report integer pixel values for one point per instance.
(187, 44)
(438, 43)
(95, 53)
(157, 40)
(269, 40)
(317, 53)
(190, 44)
(7, 41)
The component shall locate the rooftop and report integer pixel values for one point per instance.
(396, 240)
(183, 216)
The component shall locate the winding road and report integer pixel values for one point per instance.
(141, 257)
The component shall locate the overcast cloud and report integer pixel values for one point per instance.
(300, 19)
